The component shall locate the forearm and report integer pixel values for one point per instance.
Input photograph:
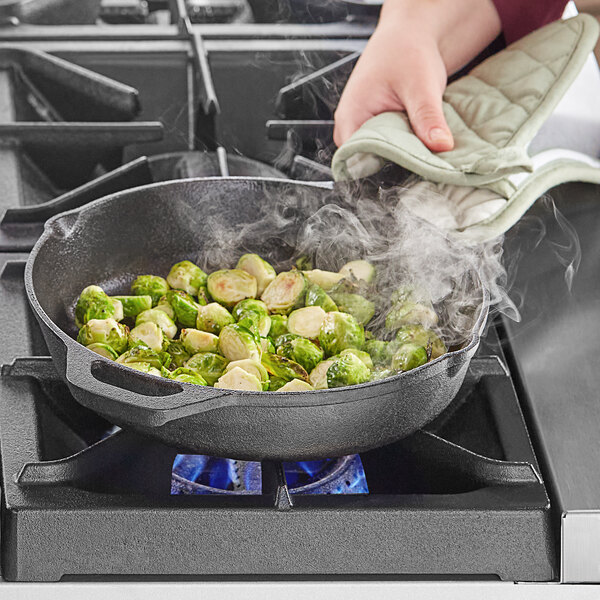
(466, 29)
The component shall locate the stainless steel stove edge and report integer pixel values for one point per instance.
(580, 547)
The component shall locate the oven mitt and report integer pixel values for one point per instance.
(493, 112)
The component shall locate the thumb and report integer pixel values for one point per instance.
(424, 108)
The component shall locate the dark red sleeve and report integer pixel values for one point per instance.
(520, 17)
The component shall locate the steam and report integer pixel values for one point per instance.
(357, 222)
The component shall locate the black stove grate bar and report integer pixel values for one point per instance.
(305, 168)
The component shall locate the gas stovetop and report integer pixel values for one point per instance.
(119, 94)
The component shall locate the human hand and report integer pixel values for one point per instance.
(405, 65)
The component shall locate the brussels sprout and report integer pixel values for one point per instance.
(208, 364)
(149, 334)
(318, 376)
(317, 296)
(324, 279)
(411, 313)
(408, 357)
(285, 292)
(104, 350)
(287, 369)
(354, 304)
(134, 305)
(237, 342)
(422, 337)
(229, 286)
(252, 366)
(195, 341)
(150, 285)
(266, 345)
(364, 356)
(304, 263)
(143, 354)
(253, 315)
(296, 385)
(307, 321)
(340, 331)
(347, 370)
(144, 368)
(278, 325)
(104, 331)
(249, 305)
(186, 276)
(302, 351)
(185, 307)
(118, 306)
(186, 376)
(154, 315)
(378, 374)
(238, 379)
(285, 338)
(165, 306)
(276, 383)
(359, 269)
(179, 355)
(213, 317)
(93, 303)
(379, 351)
(259, 268)
(203, 296)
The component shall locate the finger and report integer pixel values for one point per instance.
(423, 102)
(349, 117)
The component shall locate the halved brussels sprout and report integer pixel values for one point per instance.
(203, 296)
(302, 351)
(186, 276)
(238, 379)
(422, 337)
(237, 342)
(155, 315)
(195, 341)
(150, 285)
(347, 370)
(187, 376)
(164, 305)
(104, 331)
(324, 279)
(364, 356)
(278, 326)
(354, 304)
(318, 376)
(104, 350)
(359, 269)
(379, 351)
(259, 268)
(210, 365)
(144, 368)
(317, 296)
(411, 313)
(252, 366)
(296, 385)
(285, 292)
(285, 338)
(409, 356)
(179, 355)
(254, 315)
(118, 306)
(249, 305)
(93, 303)
(307, 321)
(287, 369)
(149, 334)
(213, 317)
(134, 305)
(229, 286)
(184, 306)
(340, 331)
(143, 354)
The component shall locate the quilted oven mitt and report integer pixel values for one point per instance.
(493, 112)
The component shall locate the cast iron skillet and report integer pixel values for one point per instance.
(146, 230)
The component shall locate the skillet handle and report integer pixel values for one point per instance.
(126, 395)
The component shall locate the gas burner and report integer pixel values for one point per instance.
(197, 474)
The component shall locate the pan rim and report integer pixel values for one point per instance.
(273, 400)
